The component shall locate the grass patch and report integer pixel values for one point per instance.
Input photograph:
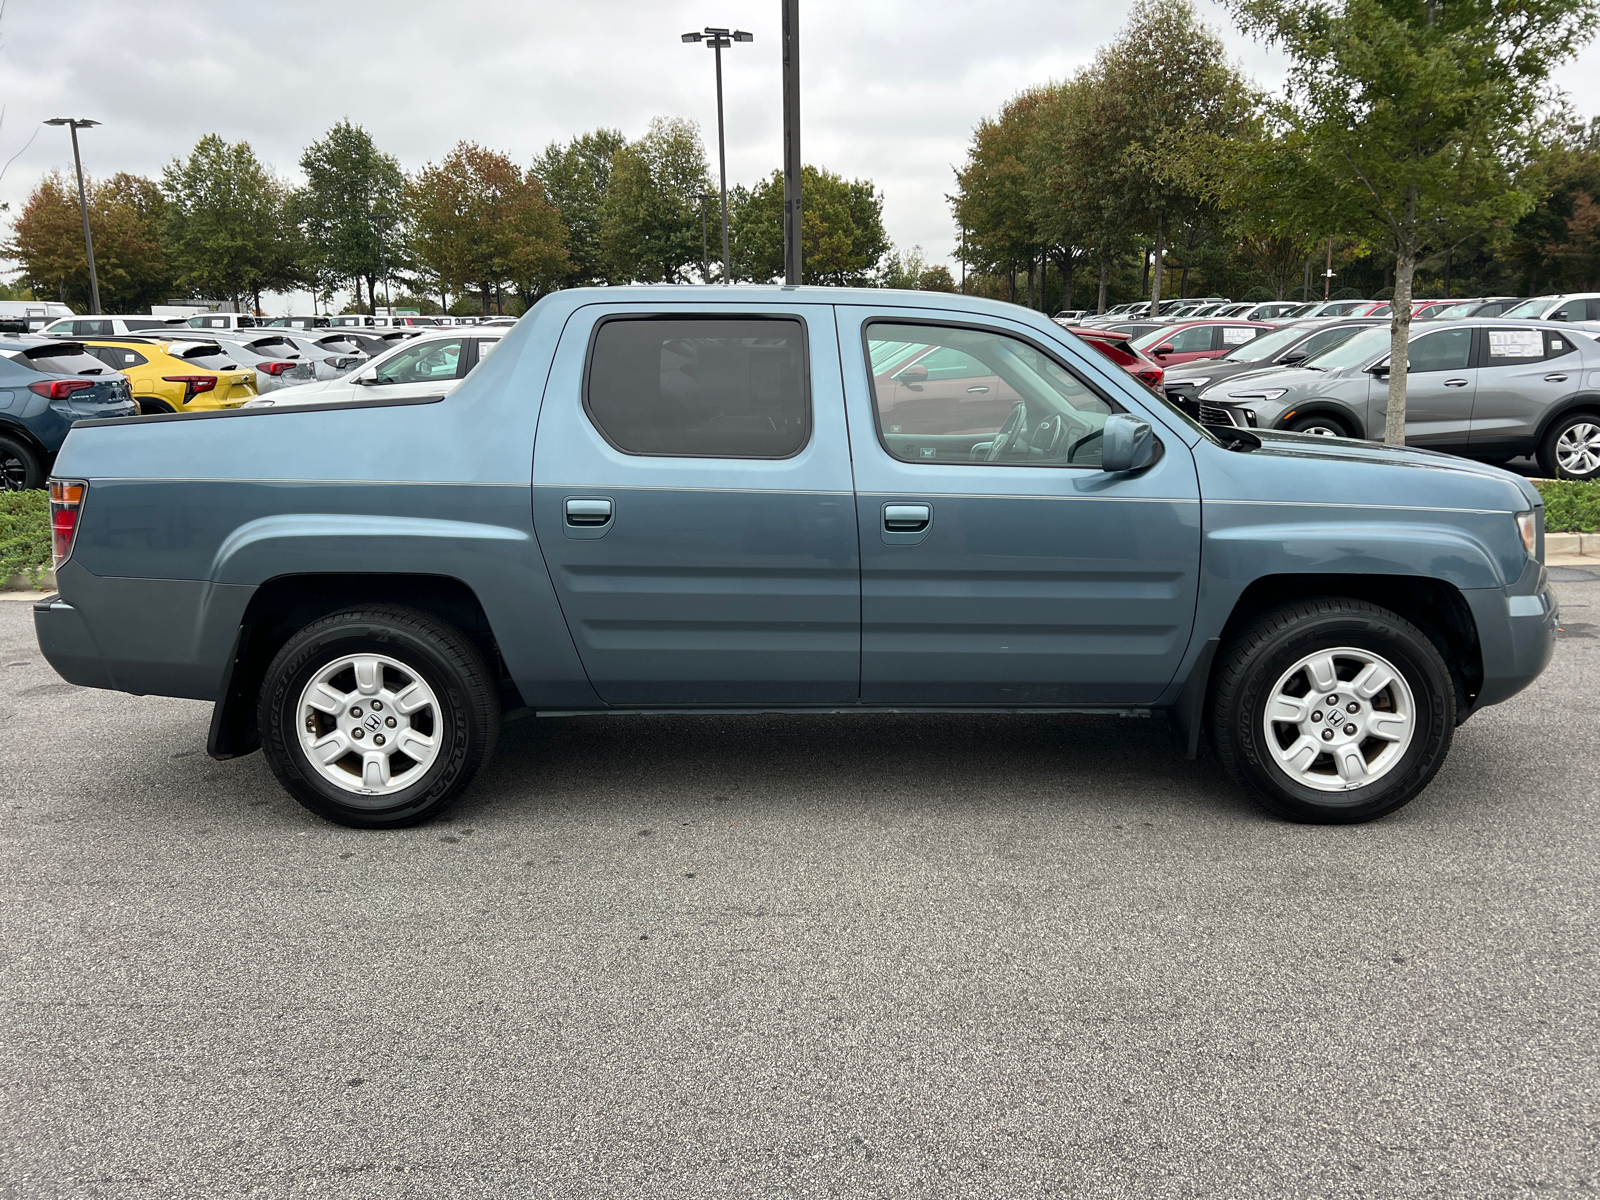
(24, 535)
(1570, 506)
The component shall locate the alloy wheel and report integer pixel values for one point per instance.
(1578, 449)
(1339, 719)
(369, 724)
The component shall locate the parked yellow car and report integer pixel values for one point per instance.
(176, 375)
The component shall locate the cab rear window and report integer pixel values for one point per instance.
(700, 387)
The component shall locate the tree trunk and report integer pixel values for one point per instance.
(1066, 279)
(1030, 283)
(1448, 255)
(1105, 276)
(1144, 274)
(1155, 270)
(485, 290)
(1405, 268)
(372, 294)
(1012, 292)
(1183, 283)
(1305, 288)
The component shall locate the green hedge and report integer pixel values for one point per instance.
(24, 535)
(1570, 506)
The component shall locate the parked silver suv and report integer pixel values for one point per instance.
(1489, 389)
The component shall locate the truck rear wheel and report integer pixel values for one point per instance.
(1332, 711)
(378, 717)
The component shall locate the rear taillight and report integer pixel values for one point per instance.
(193, 385)
(66, 501)
(59, 389)
(276, 368)
(1151, 375)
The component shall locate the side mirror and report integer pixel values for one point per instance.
(1380, 368)
(915, 373)
(365, 379)
(1127, 443)
(1163, 350)
(1293, 358)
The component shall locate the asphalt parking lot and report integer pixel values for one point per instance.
(750, 957)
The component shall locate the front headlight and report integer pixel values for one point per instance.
(1527, 526)
(1267, 394)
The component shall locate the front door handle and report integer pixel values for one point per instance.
(1555, 378)
(588, 513)
(977, 391)
(1455, 383)
(906, 518)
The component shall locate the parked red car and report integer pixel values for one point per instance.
(1119, 348)
(1188, 341)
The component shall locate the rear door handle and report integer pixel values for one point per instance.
(588, 513)
(1555, 378)
(906, 518)
(977, 391)
(1455, 383)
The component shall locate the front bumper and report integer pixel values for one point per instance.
(1516, 633)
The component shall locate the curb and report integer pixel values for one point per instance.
(1572, 543)
(19, 583)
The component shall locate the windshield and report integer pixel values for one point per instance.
(1530, 308)
(1266, 345)
(1358, 351)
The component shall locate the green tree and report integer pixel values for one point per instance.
(993, 201)
(225, 223)
(1415, 119)
(349, 209)
(576, 178)
(650, 217)
(1166, 95)
(479, 221)
(125, 215)
(842, 239)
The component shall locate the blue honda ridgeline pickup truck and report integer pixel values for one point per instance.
(789, 500)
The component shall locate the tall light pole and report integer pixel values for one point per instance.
(705, 256)
(791, 142)
(83, 204)
(718, 40)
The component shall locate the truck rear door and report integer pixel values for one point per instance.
(693, 498)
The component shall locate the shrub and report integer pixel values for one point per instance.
(1347, 294)
(24, 535)
(1570, 506)
(1257, 295)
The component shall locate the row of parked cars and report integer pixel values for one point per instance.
(1507, 379)
(112, 366)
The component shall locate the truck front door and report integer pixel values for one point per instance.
(693, 499)
(1000, 565)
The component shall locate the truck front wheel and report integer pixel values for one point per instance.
(1332, 711)
(378, 717)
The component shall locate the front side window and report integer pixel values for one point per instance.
(1197, 339)
(1444, 350)
(426, 362)
(700, 387)
(945, 394)
(1326, 339)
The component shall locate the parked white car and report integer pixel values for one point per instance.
(431, 365)
(277, 362)
(111, 326)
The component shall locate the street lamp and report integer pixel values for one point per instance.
(83, 204)
(719, 40)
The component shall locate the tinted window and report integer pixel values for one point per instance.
(1446, 350)
(1327, 338)
(1557, 344)
(1197, 339)
(92, 329)
(68, 358)
(706, 387)
(211, 357)
(134, 324)
(117, 357)
(945, 394)
(1572, 310)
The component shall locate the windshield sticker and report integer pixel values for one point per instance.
(1237, 336)
(1516, 343)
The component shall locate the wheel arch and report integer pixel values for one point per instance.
(1347, 416)
(1588, 402)
(286, 603)
(15, 429)
(1433, 605)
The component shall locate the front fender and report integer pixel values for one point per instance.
(1240, 553)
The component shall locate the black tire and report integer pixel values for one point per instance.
(1549, 464)
(1250, 668)
(1317, 423)
(441, 656)
(150, 407)
(20, 468)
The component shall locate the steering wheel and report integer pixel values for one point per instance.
(1008, 432)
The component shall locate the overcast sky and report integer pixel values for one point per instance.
(891, 89)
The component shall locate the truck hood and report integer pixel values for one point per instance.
(1312, 447)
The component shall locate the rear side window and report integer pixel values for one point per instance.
(700, 387)
(1510, 347)
(134, 324)
(93, 329)
(117, 357)
(212, 358)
